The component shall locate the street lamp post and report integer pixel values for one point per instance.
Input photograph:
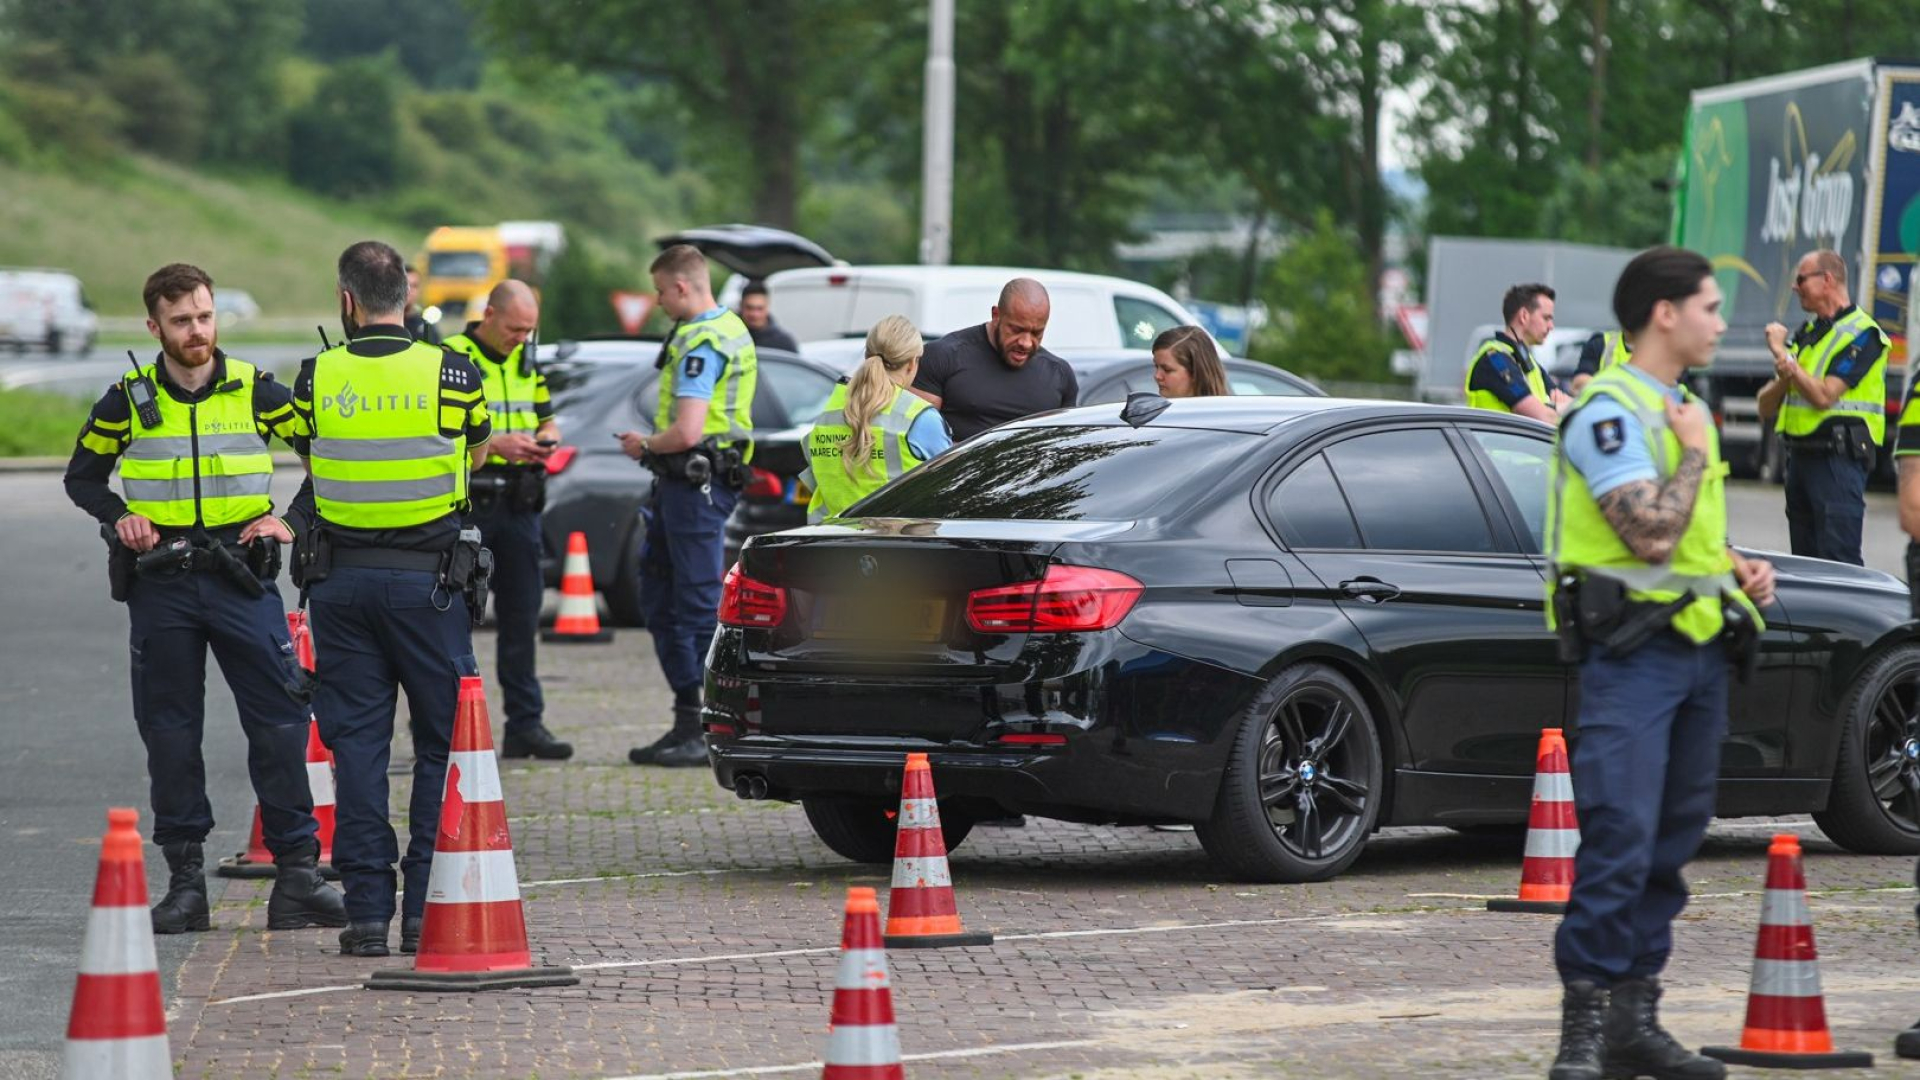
(936, 180)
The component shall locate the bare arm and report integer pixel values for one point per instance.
(1651, 516)
(690, 416)
(1534, 409)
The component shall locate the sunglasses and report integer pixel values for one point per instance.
(1801, 279)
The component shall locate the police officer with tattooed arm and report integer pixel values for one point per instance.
(1653, 604)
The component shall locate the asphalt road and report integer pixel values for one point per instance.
(86, 375)
(71, 749)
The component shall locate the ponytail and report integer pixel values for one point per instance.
(892, 344)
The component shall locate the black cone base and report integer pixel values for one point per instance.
(1530, 907)
(936, 941)
(464, 981)
(1766, 1059)
(554, 637)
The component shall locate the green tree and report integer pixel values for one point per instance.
(353, 108)
(1320, 305)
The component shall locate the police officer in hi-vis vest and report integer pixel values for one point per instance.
(702, 439)
(1830, 396)
(194, 553)
(1503, 375)
(874, 428)
(1601, 351)
(1652, 603)
(389, 427)
(508, 493)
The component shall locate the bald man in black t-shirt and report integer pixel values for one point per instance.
(986, 375)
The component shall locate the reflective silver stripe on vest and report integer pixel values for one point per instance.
(730, 347)
(173, 447)
(1855, 406)
(1655, 579)
(399, 448)
(180, 488)
(384, 491)
(894, 420)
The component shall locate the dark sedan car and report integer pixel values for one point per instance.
(1289, 621)
(603, 387)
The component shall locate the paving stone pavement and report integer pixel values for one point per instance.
(705, 931)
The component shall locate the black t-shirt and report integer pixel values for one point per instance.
(978, 390)
(773, 336)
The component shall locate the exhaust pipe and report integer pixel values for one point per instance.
(750, 786)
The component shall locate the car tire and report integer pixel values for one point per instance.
(1874, 805)
(863, 829)
(1268, 824)
(54, 341)
(623, 598)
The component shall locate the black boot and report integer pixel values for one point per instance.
(364, 939)
(535, 742)
(1638, 1046)
(301, 897)
(1907, 1043)
(682, 747)
(410, 934)
(1583, 1051)
(184, 907)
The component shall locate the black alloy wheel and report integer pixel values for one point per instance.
(1301, 789)
(1874, 806)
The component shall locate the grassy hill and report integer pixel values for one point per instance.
(114, 226)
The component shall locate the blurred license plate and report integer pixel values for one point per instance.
(879, 619)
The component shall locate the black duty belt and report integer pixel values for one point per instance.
(387, 559)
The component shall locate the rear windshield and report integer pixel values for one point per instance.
(1062, 474)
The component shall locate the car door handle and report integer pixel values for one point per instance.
(1369, 590)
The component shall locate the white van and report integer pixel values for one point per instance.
(1089, 310)
(45, 309)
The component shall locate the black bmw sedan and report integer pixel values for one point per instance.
(1288, 621)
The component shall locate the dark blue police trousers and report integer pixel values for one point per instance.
(680, 571)
(376, 632)
(1646, 760)
(173, 623)
(1826, 504)
(514, 538)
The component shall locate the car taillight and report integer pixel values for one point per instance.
(749, 603)
(1031, 738)
(561, 457)
(1069, 598)
(765, 484)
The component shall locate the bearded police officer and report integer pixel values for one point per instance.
(702, 440)
(194, 554)
(1504, 376)
(1651, 601)
(390, 428)
(507, 493)
(1829, 394)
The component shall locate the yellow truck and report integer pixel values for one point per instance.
(460, 265)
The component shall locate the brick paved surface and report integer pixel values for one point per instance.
(706, 941)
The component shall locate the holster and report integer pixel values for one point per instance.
(312, 558)
(120, 565)
(467, 568)
(215, 556)
(1740, 638)
(516, 489)
(1604, 617)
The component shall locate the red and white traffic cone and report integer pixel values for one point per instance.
(118, 1027)
(1553, 834)
(921, 911)
(256, 861)
(474, 934)
(1786, 1013)
(579, 620)
(862, 1042)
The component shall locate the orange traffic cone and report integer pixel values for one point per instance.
(1786, 1013)
(921, 913)
(862, 1043)
(1553, 834)
(256, 861)
(118, 1027)
(474, 934)
(579, 619)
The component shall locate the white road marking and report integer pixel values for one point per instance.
(815, 1066)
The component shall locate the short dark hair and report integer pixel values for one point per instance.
(1523, 298)
(375, 276)
(682, 261)
(171, 282)
(756, 288)
(1656, 274)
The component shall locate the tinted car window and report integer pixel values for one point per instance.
(1409, 493)
(1251, 381)
(1061, 474)
(1309, 510)
(1141, 321)
(800, 390)
(1523, 464)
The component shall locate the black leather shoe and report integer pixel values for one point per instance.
(1638, 1046)
(1583, 1048)
(535, 742)
(684, 754)
(184, 907)
(300, 897)
(364, 939)
(1907, 1043)
(644, 755)
(410, 934)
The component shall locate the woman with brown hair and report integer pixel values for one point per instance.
(1186, 364)
(873, 428)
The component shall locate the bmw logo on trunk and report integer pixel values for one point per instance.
(869, 566)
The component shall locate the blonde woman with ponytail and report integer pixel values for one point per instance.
(874, 428)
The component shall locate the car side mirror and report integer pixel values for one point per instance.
(1141, 407)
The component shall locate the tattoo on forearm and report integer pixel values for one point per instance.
(1651, 517)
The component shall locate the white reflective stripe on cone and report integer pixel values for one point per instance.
(863, 1044)
(1552, 787)
(479, 775)
(145, 1058)
(472, 877)
(119, 942)
(862, 969)
(1784, 907)
(1552, 843)
(1786, 978)
(577, 605)
(320, 782)
(917, 813)
(577, 564)
(919, 872)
